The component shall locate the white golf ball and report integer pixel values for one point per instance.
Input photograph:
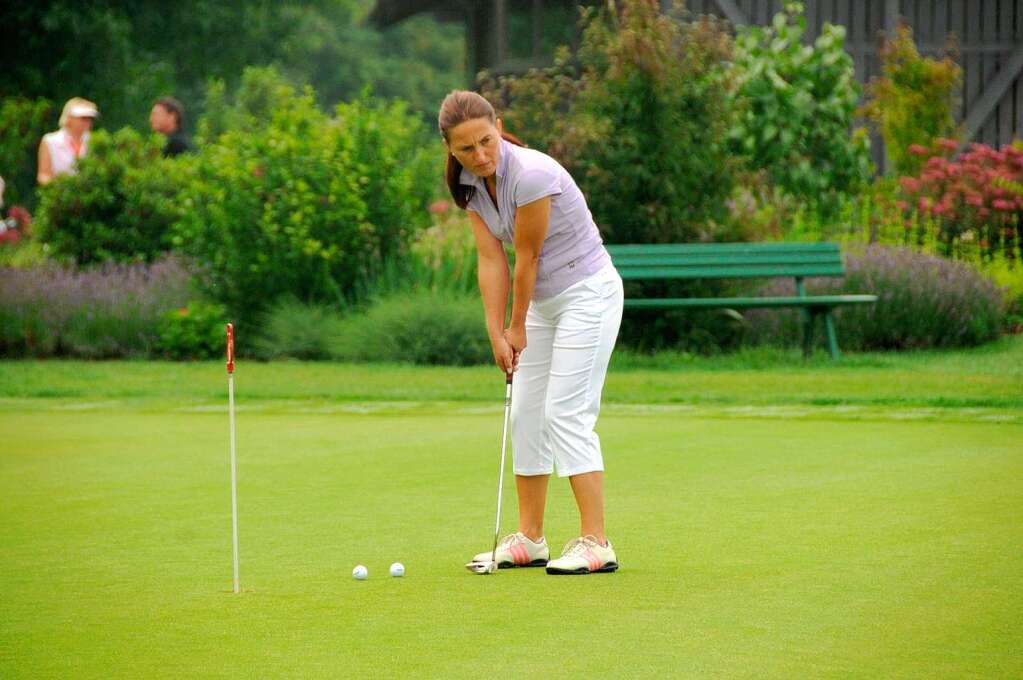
(360, 573)
(397, 569)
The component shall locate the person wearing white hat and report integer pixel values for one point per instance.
(59, 151)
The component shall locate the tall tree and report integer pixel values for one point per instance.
(125, 53)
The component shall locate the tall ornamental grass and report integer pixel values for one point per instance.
(923, 302)
(421, 326)
(418, 328)
(108, 312)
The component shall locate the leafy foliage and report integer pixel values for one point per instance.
(195, 331)
(22, 124)
(798, 104)
(119, 206)
(660, 169)
(298, 203)
(396, 173)
(124, 54)
(913, 101)
(645, 88)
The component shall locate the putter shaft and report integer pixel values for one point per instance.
(500, 477)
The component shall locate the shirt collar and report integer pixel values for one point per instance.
(502, 162)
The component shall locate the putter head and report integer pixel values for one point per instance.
(488, 567)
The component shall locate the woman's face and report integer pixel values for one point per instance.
(476, 144)
(78, 125)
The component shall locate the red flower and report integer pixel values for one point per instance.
(910, 184)
(1002, 204)
(948, 144)
(20, 215)
(919, 150)
(439, 207)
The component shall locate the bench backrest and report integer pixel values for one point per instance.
(726, 260)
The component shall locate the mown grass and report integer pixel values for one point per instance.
(750, 549)
(775, 518)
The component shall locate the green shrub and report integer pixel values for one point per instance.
(251, 107)
(398, 172)
(24, 254)
(913, 102)
(640, 119)
(798, 104)
(120, 206)
(195, 331)
(293, 329)
(420, 328)
(23, 123)
(286, 205)
(924, 302)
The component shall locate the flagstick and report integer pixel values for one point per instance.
(234, 469)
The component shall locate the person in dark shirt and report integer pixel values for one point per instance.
(166, 118)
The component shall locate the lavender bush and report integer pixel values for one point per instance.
(923, 302)
(108, 312)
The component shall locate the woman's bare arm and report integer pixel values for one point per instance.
(45, 172)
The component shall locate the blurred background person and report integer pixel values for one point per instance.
(166, 118)
(59, 151)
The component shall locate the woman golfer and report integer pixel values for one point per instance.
(566, 311)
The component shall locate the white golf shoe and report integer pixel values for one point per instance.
(584, 555)
(516, 550)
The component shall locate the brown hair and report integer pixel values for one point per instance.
(458, 107)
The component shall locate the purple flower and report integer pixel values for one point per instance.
(110, 311)
(923, 301)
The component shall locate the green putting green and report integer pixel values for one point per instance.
(754, 543)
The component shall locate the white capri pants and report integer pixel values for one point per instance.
(556, 391)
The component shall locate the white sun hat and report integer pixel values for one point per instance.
(78, 108)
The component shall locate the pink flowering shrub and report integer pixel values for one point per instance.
(972, 198)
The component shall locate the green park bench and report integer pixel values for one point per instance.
(741, 261)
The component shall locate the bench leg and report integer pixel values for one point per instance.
(829, 324)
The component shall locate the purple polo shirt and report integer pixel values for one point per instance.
(572, 249)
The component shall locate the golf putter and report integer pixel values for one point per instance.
(491, 566)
